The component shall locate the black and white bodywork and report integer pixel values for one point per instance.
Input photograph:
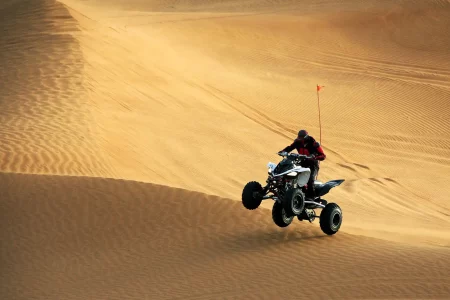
(286, 185)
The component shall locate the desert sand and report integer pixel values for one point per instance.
(129, 128)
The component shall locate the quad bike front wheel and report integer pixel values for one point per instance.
(279, 216)
(331, 218)
(252, 195)
(294, 202)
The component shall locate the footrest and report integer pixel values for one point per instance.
(321, 201)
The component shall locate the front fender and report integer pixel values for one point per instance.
(303, 176)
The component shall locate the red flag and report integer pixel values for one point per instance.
(318, 105)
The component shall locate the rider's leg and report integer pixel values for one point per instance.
(311, 190)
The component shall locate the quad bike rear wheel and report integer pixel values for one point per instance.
(331, 218)
(252, 195)
(279, 216)
(294, 202)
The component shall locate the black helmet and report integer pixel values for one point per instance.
(302, 134)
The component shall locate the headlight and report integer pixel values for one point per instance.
(271, 166)
(293, 174)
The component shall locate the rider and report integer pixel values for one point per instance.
(307, 145)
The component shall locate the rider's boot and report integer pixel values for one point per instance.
(311, 195)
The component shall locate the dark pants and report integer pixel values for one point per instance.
(314, 166)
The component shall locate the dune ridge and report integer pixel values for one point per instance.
(46, 123)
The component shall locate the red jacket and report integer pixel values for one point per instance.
(308, 147)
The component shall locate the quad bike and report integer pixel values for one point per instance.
(287, 184)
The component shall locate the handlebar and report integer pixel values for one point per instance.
(298, 156)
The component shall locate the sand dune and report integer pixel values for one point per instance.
(87, 238)
(194, 98)
(179, 94)
(46, 123)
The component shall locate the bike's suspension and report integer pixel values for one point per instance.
(281, 191)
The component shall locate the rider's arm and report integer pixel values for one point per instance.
(321, 155)
(289, 148)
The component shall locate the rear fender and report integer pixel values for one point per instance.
(326, 187)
